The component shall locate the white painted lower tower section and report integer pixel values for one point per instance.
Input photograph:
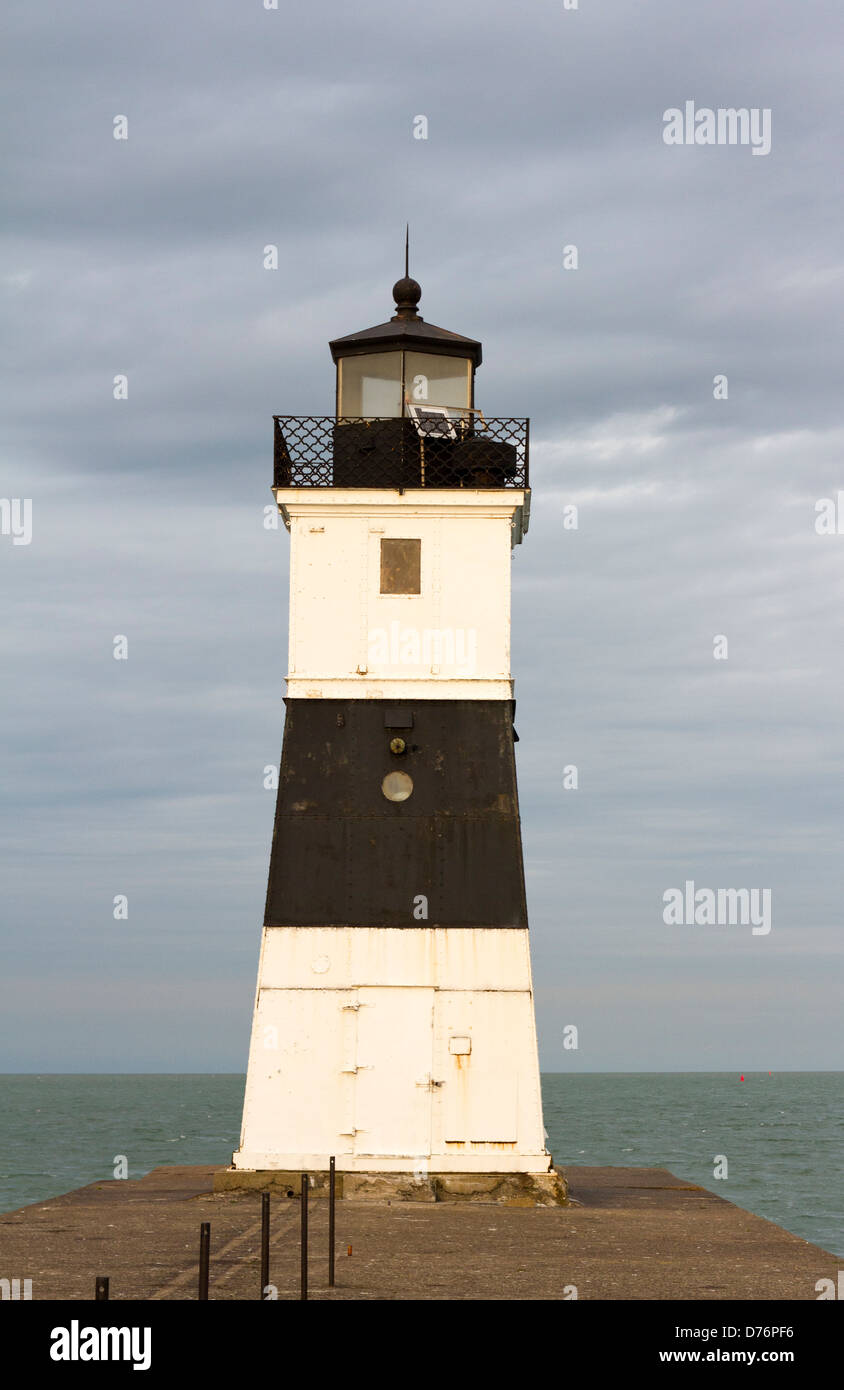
(394, 1050)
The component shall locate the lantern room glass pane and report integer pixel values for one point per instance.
(370, 385)
(436, 380)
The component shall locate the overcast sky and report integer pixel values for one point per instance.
(294, 127)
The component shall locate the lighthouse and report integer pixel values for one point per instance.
(394, 1020)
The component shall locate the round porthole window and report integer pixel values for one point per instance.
(397, 786)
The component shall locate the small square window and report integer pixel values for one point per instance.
(401, 566)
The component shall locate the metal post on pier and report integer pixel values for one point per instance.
(303, 1240)
(204, 1258)
(265, 1243)
(332, 1193)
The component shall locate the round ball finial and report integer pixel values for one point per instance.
(407, 294)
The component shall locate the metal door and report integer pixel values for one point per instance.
(393, 1084)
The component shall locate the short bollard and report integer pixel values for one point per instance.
(204, 1257)
(101, 1289)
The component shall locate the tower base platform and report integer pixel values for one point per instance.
(506, 1189)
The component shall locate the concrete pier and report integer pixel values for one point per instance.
(629, 1233)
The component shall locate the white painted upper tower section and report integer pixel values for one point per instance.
(353, 636)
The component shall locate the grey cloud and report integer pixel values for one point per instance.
(250, 127)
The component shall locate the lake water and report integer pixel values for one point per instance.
(782, 1134)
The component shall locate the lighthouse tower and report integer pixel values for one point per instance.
(394, 1020)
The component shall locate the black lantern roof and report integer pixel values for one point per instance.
(407, 329)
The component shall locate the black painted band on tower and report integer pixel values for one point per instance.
(345, 855)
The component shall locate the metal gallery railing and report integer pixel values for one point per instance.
(436, 449)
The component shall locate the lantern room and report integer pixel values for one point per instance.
(405, 415)
(406, 362)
